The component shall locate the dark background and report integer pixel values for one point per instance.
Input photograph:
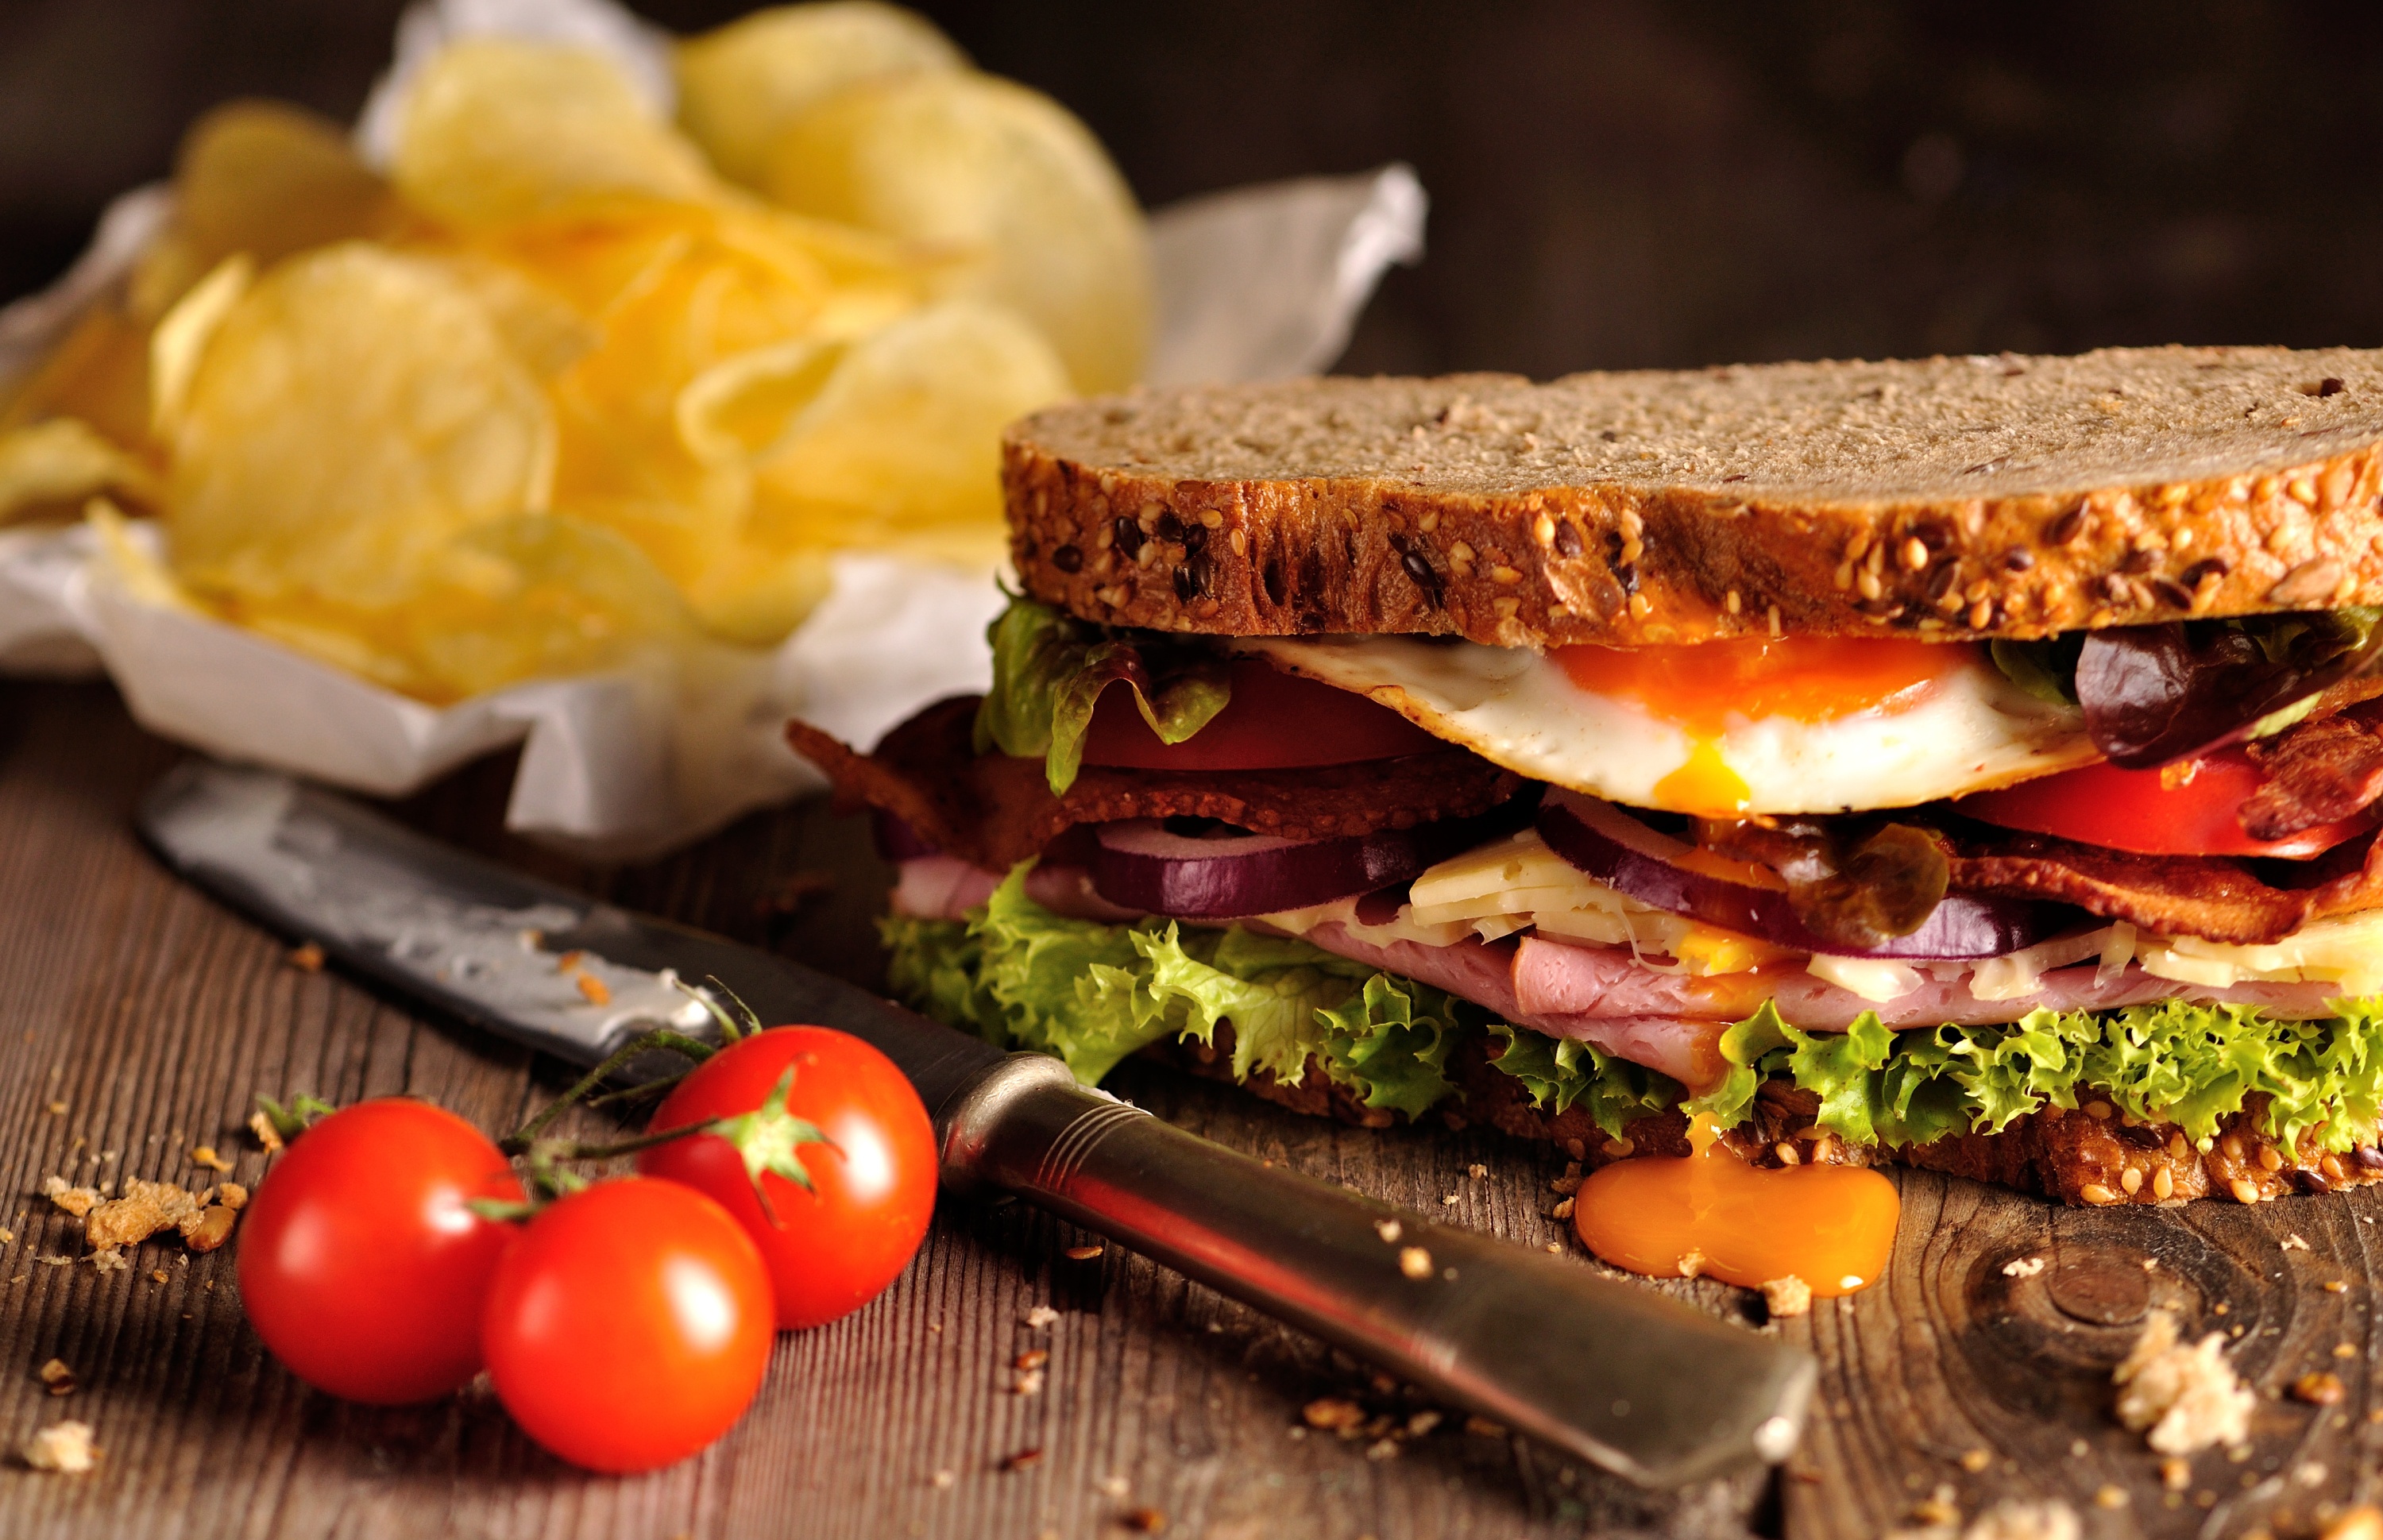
(1613, 184)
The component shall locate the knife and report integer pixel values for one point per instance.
(1623, 1377)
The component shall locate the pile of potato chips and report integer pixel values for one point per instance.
(573, 381)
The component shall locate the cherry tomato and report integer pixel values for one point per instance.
(361, 1265)
(629, 1325)
(834, 1248)
(1274, 721)
(2153, 812)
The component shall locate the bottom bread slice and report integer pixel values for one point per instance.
(2094, 1155)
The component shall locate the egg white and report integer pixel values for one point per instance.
(1970, 730)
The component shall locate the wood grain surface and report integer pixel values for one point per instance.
(139, 1020)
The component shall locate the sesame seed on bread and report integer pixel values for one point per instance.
(1951, 498)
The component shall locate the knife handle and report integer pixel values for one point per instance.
(1615, 1374)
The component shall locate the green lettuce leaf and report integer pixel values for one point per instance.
(2193, 1066)
(1379, 1042)
(2047, 670)
(1092, 993)
(1049, 670)
(1565, 1071)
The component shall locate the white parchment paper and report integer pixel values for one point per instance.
(1257, 283)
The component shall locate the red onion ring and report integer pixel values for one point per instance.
(1144, 865)
(1631, 858)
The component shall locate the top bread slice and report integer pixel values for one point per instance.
(1947, 498)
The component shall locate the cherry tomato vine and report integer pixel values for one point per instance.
(785, 1180)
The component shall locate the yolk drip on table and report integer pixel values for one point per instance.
(1806, 679)
(1710, 1214)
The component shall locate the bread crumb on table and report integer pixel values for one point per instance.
(268, 1138)
(2012, 1519)
(62, 1447)
(1041, 1316)
(2023, 1267)
(2182, 1400)
(58, 1376)
(204, 1155)
(74, 1200)
(1333, 1413)
(1787, 1296)
(2319, 1387)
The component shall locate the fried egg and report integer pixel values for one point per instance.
(1800, 724)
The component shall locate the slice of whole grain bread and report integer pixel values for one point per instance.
(1947, 496)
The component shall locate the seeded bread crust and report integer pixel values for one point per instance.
(2082, 1157)
(1952, 497)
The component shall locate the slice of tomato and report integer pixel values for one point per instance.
(2153, 812)
(1274, 721)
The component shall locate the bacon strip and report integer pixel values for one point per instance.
(994, 811)
(2319, 772)
(2217, 898)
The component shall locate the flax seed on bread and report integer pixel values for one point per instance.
(1951, 497)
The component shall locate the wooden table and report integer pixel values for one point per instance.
(138, 1019)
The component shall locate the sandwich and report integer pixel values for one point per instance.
(1971, 763)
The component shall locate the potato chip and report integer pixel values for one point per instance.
(54, 467)
(739, 408)
(180, 339)
(99, 373)
(537, 597)
(743, 284)
(263, 177)
(353, 412)
(530, 596)
(268, 178)
(541, 327)
(900, 443)
(756, 596)
(499, 129)
(740, 85)
(983, 166)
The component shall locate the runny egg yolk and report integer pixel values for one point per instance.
(1806, 679)
(1713, 1215)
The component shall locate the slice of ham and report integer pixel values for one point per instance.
(1605, 996)
(1485, 973)
(1555, 981)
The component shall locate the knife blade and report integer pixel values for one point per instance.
(1628, 1379)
